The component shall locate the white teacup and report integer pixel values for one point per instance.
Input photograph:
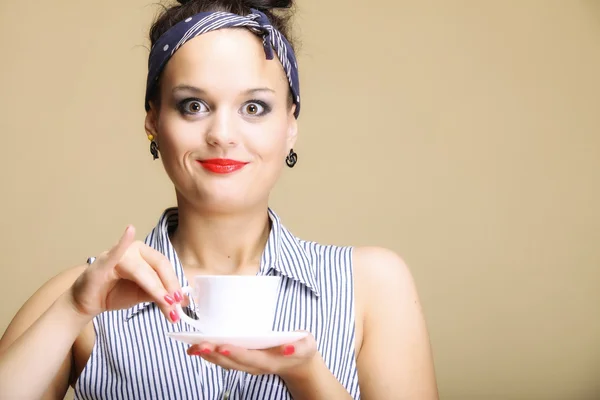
(232, 304)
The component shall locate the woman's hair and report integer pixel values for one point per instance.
(279, 13)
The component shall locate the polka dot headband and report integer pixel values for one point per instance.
(257, 22)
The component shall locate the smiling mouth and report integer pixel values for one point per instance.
(222, 165)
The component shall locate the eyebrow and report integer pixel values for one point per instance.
(197, 90)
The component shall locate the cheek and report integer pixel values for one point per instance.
(270, 147)
(175, 137)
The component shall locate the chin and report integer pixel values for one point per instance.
(225, 195)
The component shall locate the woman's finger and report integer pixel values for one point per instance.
(256, 360)
(202, 348)
(164, 269)
(115, 254)
(305, 347)
(225, 361)
(136, 269)
(210, 353)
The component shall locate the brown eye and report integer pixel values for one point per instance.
(252, 109)
(255, 108)
(192, 107)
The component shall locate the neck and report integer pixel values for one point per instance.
(220, 244)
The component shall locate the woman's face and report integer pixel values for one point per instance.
(221, 99)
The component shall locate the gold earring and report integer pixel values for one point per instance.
(150, 137)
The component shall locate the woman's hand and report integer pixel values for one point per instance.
(290, 360)
(129, 273)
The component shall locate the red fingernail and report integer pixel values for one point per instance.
(205, 351)
(169, 300)
(224, 352)
(178, 297)
(288, 350)
(174, 316)
(196, 353)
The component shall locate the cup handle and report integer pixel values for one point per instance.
(183, 316)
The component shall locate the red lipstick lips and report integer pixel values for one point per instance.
(222, 165)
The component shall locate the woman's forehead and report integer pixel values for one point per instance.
(225, 59)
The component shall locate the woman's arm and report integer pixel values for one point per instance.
(130, 273)
(38, 343)
(395, 360)
(315, 382)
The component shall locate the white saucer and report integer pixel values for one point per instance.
(248, 341)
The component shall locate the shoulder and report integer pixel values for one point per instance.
(369, 259)
(381, 277)
(395, 356)
(372, 269)
(379, 265)
(371, 265)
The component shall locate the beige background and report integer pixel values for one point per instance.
(465, 135)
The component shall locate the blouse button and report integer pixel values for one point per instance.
(226, 395)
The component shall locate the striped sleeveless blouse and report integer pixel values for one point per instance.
(132, 357)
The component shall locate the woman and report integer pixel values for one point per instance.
(222, 102)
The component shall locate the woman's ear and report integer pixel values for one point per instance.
(150, 123)
(292, 133)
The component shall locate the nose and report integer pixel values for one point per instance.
(221, 132)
